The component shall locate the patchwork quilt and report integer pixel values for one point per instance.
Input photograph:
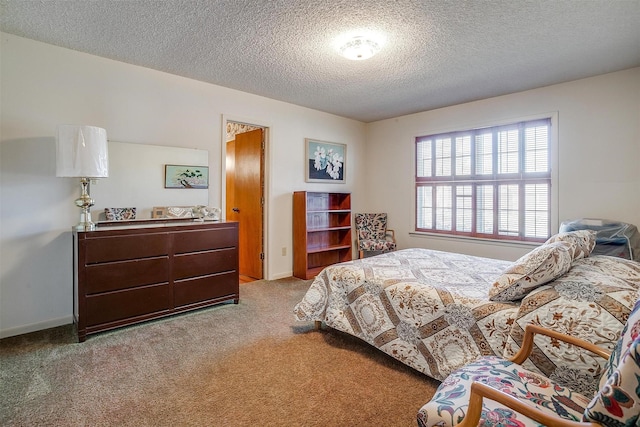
(432, 311)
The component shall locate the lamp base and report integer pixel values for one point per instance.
(85, 226)
(85, 202)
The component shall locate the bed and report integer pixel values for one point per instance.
(437, 311)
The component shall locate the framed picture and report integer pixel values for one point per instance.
(325, 161)
(178, 176)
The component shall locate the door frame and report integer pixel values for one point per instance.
(266, 271)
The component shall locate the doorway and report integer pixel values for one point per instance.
(245, 198)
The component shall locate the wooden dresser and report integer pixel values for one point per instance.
(126, 274)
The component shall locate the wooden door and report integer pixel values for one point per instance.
(247, 200)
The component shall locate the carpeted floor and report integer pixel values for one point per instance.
(249, 364)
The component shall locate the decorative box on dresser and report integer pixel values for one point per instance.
(125, 274)
(321, 231)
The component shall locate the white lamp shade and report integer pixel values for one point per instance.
(81, 151)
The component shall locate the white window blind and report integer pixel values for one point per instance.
(491, 182)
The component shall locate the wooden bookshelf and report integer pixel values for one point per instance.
(321, 231)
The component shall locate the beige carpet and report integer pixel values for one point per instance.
(249, 364)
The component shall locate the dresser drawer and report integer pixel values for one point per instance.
(204, 263)
(120, 305)
(204, 240)
(201, 289)
(118, 248)
(117, 275)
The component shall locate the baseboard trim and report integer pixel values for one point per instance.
(282, 275)
(33, 327)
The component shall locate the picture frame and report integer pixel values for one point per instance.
(186, 176)
(325, 161)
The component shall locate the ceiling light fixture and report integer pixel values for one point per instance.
(359, 48)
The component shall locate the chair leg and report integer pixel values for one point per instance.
(360, 254)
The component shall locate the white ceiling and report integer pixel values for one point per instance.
(437, 53)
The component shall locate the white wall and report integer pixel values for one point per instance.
(599, 154)
(43, 86)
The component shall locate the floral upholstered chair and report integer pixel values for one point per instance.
(372, 233)
(493, 391)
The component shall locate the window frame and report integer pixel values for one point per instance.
(494, 179)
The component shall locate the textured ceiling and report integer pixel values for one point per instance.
(435, 54)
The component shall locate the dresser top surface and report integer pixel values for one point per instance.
(154, 225)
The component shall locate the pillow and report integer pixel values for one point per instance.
(582, 242)
(618, 402)
(119, 214)
(541, 265)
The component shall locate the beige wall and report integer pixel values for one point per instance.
(598, 154)
(43, 86)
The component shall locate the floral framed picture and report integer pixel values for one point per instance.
(177, 176)
(325, 161)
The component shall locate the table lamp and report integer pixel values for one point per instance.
(81, 152)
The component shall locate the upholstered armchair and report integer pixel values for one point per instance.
(372, 234)
(493, 391)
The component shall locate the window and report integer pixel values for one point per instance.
(492, 182)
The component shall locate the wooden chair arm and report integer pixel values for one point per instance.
(393, 234)
(480, 391)
(531, 330)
